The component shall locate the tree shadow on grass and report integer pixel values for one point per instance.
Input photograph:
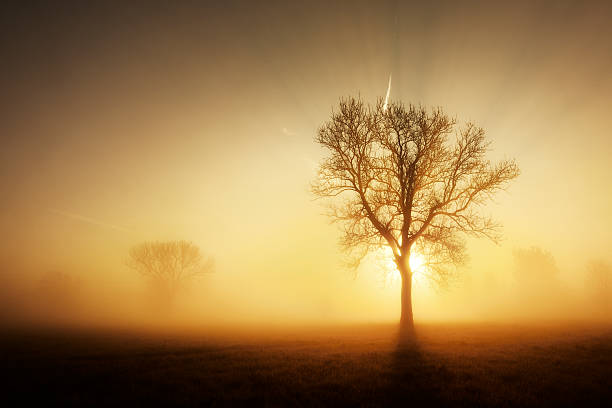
(416, 378)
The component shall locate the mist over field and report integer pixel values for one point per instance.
(503, 294)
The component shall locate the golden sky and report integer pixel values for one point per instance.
(125, 124)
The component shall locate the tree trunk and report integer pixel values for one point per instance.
(406, 320)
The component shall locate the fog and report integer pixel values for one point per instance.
(525, 285)
(197, 123)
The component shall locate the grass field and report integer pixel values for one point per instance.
(459, 365)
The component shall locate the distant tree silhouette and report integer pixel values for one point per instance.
(537, 278)
(396, 180)
(169, 265)
(534, 267)
(599, 286)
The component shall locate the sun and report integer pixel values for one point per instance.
(417, 262)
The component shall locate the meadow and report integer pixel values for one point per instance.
(450, 364)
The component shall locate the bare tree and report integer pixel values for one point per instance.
(534, 267)
(538, 282)
(169, 265)
(397, 181)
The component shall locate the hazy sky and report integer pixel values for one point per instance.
(181, 120)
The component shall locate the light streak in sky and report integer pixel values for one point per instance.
(387, 96)
(88, 220)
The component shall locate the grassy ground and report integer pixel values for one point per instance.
(459, 365)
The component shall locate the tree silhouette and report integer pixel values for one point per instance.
(169, 265)
(396, 180)
(534, 267)
(537, 278)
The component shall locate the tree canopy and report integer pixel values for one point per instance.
(401, 179)
(170, 263)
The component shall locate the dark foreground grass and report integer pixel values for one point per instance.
(458, 365)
